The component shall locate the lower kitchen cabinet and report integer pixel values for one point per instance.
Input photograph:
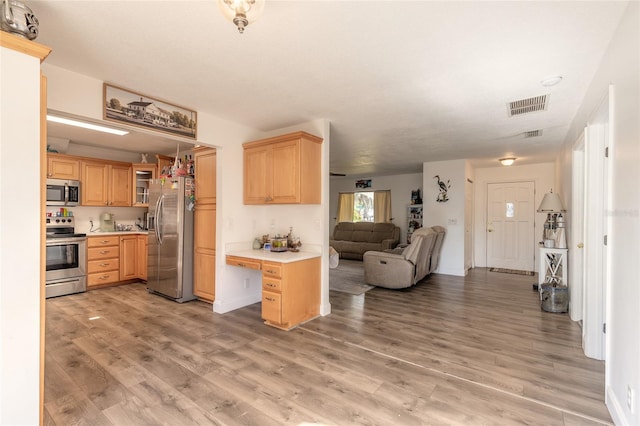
(142, 254)
(204, 276)
(128, 257)
(114, 259)
(204, 249)
(103, 260)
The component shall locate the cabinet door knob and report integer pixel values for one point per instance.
(104, 251)
(270, 299)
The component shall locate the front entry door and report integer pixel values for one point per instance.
(510, 225)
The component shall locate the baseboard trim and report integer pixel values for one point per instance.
(224, 306)
(615, 409)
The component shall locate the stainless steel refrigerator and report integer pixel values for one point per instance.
(170, 221)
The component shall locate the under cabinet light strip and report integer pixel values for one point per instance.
(86, 125)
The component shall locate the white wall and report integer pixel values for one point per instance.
(450, 214)
(620, 68)
(543, 176)
(399, 185)
(20, 223)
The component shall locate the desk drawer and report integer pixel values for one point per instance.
(272, 269)
(271, 284)
(244, 262)
(272, 307)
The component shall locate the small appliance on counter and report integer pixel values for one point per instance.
(107, 222)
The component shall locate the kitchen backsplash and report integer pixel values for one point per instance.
(82, 215)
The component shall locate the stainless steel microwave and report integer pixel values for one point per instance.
(62, 192)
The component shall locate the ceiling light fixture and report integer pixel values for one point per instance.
(507, 161)
(241, 12)
(84, 125)
(551, 81)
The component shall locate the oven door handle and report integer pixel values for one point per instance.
(65, 241)
(66, 193)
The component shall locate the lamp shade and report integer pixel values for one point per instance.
(551, 203)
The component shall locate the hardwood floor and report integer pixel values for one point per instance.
(449, 351)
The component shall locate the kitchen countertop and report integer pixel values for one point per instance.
(283, 257)
(100, 233)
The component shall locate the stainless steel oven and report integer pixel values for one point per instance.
(66, 258)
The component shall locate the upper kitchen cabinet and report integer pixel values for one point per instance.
(164, 163)
(283, 170)
(60, 166)
(141, 174)
(106, 183)
(205, 169)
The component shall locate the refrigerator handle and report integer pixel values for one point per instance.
(158, 224)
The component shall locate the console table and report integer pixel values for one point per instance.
(553, 266)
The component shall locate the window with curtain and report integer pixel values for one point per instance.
(364, 206)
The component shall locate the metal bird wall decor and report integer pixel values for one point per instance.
(443, 187)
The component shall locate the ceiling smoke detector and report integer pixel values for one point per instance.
(533, 133)
(525, 106)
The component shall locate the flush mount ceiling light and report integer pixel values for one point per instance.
(241, 12)
(507, 161)
(84, 125)
(551, 81)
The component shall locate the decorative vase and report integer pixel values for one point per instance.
(17, 18)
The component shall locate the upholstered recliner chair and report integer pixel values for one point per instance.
(402, 270)
(437, 247)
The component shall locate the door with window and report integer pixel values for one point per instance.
(510, 225)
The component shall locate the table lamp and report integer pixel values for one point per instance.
(552, 206)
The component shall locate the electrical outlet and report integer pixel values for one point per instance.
(630, 398)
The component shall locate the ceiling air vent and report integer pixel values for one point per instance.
(525, 106)
(533, 133)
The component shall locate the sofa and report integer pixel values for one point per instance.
(352, 239)
(405, 267)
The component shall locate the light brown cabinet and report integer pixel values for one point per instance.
(106, 184)
(103, 261)
(204, 251)
(164, 164)
(205, 166)
(141, 174)
(60, 166)
(142, 254)
(283, 170)
(128, 257)
(204, 225)
(290, 291)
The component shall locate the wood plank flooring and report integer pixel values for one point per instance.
(473, 350)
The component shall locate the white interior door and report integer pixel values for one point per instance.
(510, 225)
(576, 233)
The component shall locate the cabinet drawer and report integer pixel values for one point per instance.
(94, 266)
(243, 262)
(103, 278)
(96, 253)
(111, 240)
(272, 269)
(271, 284)
(272, 307)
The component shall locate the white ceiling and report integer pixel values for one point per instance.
(402, 82)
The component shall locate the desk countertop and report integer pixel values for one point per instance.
(282, 257)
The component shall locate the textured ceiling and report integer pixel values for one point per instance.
(402, 82)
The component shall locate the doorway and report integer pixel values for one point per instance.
(510, 225)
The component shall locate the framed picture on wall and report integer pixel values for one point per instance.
(135, 109)
(363, 183)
